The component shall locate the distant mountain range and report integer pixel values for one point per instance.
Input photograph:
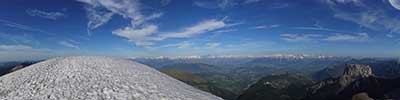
(292, 56)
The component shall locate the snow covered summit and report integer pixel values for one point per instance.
(95, 78)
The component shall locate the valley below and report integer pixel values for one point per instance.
(282, 78)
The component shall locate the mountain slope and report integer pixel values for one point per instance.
(95, 78)
(191, 67)
(277, 87)
(200, 83)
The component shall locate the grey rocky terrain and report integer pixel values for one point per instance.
(94, 78)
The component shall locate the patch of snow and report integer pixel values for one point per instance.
(94, 78)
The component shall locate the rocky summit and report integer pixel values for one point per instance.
(94, 78)
(354, 72)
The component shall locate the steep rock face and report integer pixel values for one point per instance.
(95, 78)
(388, 68)
(354, 72)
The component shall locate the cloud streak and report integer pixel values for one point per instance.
(368, 14)
(299, 37)
(22, 27)
(139, 37)
(213, 4)
(101, 11)
(356, 37)
(69, 44)
(200, 28)
(44, 14)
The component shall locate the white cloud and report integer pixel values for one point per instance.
(260, 27)
(200, 28)
(251, 1)
(395, 4)
(24, 38)
(44, 14)
(226, 31)
(15, 47)
(279, 5)
(140, 32)
(357, 37)
(366, 14)
(184, 44)
(348, 37)
(139, 36)
(275, 26)
(21, 26)
(265, 26)
(212, 4)
(101, 11)
(97, 18)
(212, 45)
(300, 37)
(69, 44)
(165, 2)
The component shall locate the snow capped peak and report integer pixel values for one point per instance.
(86, 77)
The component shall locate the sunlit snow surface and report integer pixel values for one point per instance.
(95, 78)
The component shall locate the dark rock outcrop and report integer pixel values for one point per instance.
(355, 79)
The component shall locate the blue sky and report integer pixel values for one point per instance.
(136, 28)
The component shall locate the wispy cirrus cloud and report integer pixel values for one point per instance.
(15, 47)
(372, 14)
(251, 1)
(184, 44)
(140, 31)
(300, 37)
(69, 44)
(12, 24)
(266, 26)
(101, 11)
(140, 37)
(213, 4)
(226, 31)
(213, 45)
(45, 14)
(165, 2)
(24, 38)
(145, 37)
(354, 37)
(358, 37)
(200, 28)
